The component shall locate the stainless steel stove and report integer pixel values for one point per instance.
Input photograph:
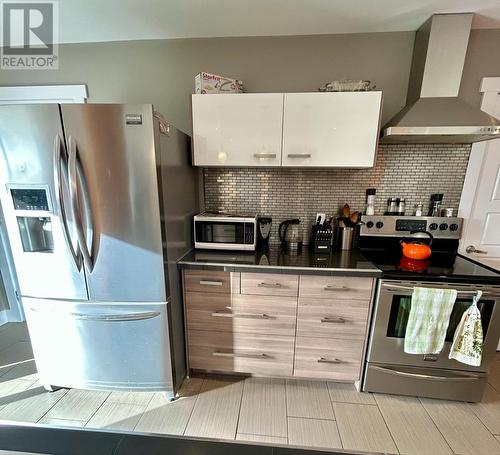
(389, 369)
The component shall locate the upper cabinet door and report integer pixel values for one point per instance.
(237, 129)
(337, 129)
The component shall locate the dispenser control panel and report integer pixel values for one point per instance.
(36, 199)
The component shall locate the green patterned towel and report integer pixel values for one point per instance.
(467, 344)
(428, 321)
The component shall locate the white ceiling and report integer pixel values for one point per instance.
(117, 20)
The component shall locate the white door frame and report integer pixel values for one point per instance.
(490, 89)
(24, 94)
(36, 94)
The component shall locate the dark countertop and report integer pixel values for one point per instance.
(278, 261)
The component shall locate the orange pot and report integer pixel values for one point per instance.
(417, 249)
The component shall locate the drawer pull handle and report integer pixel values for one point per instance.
(336, 288)
(225, 314)
(299, 155)
(264, 156)
(247, 355)
(338, 320)
(323, 360)
(211, 283)
(269, 285)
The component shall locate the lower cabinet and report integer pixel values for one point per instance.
(326, 358)
(305, 326)
(241, 353)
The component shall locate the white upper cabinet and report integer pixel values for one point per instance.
(293, 129)
(237, 129)
(335, 129)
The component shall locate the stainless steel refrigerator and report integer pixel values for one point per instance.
(98, 201)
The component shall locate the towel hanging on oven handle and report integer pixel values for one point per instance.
(467, 346)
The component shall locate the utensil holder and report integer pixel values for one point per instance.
(346, 235)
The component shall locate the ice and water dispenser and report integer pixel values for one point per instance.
(32, 208)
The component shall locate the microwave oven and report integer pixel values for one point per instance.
(225, 232)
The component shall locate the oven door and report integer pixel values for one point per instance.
(391, 317)
(224, 235)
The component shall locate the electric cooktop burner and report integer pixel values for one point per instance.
(439, 267)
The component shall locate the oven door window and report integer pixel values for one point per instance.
(400, 311)
(220, 232)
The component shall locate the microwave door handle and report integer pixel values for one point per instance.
(73, 185)
(75, 252)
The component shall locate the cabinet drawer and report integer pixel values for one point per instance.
(241, 353)
(335, 287)
(269, 284)
(345, 319)
(328, 359)
(212, 281)
(241, 313)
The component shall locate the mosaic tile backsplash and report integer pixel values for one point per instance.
(412, 171)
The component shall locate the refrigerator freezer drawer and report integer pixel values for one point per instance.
(101, 346)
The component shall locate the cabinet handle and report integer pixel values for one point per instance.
(334, 288)
(338, 320)
(247, 355)
(269, 285)
(299, 155)
(211, 283)
(265, 156)
(225, 314)
(323, 360)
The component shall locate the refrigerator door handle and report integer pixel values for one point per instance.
(75, 252)
(117, 317)
(73, 189)
(106, 317)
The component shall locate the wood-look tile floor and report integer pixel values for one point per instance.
(303, 413)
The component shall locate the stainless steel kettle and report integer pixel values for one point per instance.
(291, 234)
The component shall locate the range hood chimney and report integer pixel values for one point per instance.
(433, 111)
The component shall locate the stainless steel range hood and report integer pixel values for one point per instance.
(434, 113)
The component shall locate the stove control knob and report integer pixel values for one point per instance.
(379, 225)
(443, 227)
(369, 224)
(433, 226)
(454, 227)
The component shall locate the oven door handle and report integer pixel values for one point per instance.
(397, 288)
(424, 376)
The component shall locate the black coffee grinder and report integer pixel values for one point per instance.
(263, 232)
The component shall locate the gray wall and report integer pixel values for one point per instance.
(483, 60)
(162, 72)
